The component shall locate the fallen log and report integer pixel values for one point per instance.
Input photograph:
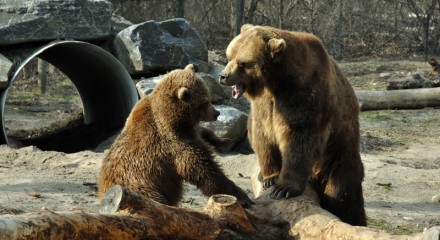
(398, 99)
(126, 215)
(412, 82)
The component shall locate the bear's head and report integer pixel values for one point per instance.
(182, 99)
(250, 54)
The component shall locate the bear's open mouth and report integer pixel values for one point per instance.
(237, 90)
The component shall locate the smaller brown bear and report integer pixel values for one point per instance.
(161, 144)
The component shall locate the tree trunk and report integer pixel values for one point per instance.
(281, 14)
(237, 18)
(180, 9)
(126, 215)
(340, 30)
(398, 99)
(251, 11)
(425, 24)
(42, 75)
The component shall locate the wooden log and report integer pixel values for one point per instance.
(415, 81)
(124, 215)
(398, 99)
(171, 222)
(222, 218)
(73, 225)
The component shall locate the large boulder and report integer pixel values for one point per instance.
(5, 65)
(119, 23)
(39, 20)
(156, 47)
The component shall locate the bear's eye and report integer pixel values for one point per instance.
(244, 65)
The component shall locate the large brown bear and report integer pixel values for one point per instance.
(304, 117)
(161, 144)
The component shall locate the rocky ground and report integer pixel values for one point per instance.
(400, 151)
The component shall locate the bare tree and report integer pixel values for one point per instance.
(423, 10)
(280, 14)
(340, 29)
(353, 27)
(180, 9)
(237, 17)
(42, 75)
(250, 14)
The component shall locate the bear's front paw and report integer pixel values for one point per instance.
(224, 145)
(226, 141)
(270, 181)
(285, 191)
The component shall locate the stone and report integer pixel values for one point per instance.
(385, 75)
(154, 47)
(436, 199)
(119, 23)
(232, 123)
(218, 94)
(147, 85)
(41, 20)
(5, 65)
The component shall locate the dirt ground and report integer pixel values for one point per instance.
(400, 150)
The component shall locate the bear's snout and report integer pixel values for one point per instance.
(211, 115)
(216, 114)
(224, 79)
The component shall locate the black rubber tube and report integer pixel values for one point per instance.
(106, 89)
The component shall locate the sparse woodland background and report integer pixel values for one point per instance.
(349, 28)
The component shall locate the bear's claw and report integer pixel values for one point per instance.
(280, 191)
(267, 183)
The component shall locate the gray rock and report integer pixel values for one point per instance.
(216, 90)
(436, 199)
(119, 23)
(230, 124)
(146, 86)
(5, 65)
(152, 46)
(38, 20)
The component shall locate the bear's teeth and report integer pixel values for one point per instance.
(237, 91)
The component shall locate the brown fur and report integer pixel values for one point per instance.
(304, 117)
(160, 145)
(434, 65)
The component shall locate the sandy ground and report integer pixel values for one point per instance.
(400, 151)
(401, 178)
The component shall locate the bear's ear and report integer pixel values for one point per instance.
(245, 27)
(190, 67)
(432, 62)
(276, 48)
(183, 94)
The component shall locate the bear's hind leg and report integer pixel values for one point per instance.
(343, 196)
